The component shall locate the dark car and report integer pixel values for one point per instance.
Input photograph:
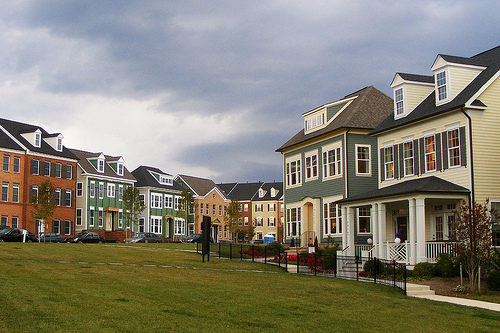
(17, 235)
(194, 238)
(3, 226)
(144, 237)
(87, 237)
(51, 237)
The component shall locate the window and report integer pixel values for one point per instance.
(179, 227)
(17, 165)
(201, 208)
(101, 191)
(169, 200)
(5, 192)
(15, 193)
(240, 221)
(245, 207)
(35, 167)
(441, 86)
(58, 170)
(293, 223)
(156, 224)
(207, 209)
(220, 210)
(258, 207)
(67, 227)
(100, 165)
(408, 158)
(15, 222)
(4, 220)
(79, 189)
(363, 164)
(38, 140)
(271, 222)
(176, 204)
(46, 169)
(69, 172)
(156, 201)
(332, 162)
(143, 199)
(453, 148)
(6, 163)
(332, 219)
(120, 219)
(59, 144)
(33, 194)
(495, 206)
(111, 191)
(293, 173)
(213, 209)
(258, 221)
(100, 218)
(79, 216)
(312, 167)
(91, 217)
(56, 226)
(389, 162)
(271, 207)
(120, 169)
(398, 99)
(142, 223)
(57, 196)
(430, 153)
(67, 198)
(364, 219)
(245, 220)
(314, 121)
(92, 189)
(120, 192)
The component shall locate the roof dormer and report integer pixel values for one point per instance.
(34, 138)
(55, 141)
(274, 192)
(409, 91)
(98, 162)
(262, 193)
(451, 76)
(163, 179)
(118, 165)
(320, 117)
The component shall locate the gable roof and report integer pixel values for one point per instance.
(430, 184)
(267, 188)
(199, 186)
(88, 168)
(244, 191)
(146, 179)
(16, 129)
(366, 111)
(427, 108)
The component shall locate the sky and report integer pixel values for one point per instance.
(212, 88)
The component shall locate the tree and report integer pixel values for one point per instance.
(186, 205)
(251, 230)
(133, 206)
(233, 215)
(44, 204)
(473, 233)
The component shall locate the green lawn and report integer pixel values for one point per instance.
(156, 287)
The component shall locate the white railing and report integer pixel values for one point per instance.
(434, 249)
(364, 250)
(398, 252)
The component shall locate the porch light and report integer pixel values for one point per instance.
(397, 240)
(369, 241)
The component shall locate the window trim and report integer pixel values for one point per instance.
(293, 178)
(388, 163)
(411, 158)
(369, 161)
(430, 153)
(445, 85)
(368, 217)
(311, 165)
(337, 162)
(457, 147)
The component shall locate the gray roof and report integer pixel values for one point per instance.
(365, 112)
(88, 168)
(417, 78)
(427, 108)
(267, 196)
(430, 184)
(243, 191)
(200, 186)
(146, 179)
(16, 129)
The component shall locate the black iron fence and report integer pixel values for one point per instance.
(330, 264)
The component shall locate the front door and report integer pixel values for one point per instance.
(402, 227)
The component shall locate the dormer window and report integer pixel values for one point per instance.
(38, 140)
(441, 86)
(273, 192)
(398, 99)
(100, 165)
(120, 169)
(166, 180)
(59, 144)
(261, 193)
(314, 121)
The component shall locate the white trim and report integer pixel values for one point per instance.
(481, 90)
(369, 173)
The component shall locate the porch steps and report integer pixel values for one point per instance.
(416, 290)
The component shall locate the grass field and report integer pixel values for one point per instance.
(157, 287)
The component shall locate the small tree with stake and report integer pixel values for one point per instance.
(133, 206)
(186, 205)
(233, 215)
(44, 204)
(473, 234)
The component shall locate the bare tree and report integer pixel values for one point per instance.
(44, 204)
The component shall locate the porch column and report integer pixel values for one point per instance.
(381, 230)
(350, 232)
(344, 227)
(411, 221)
(374, 228)
(420, 221)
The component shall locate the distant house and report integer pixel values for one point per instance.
(161, 196)
(267, 211)
(101, 182)
(30, 155)
(333, 157)
(436, 148)
(210, 201)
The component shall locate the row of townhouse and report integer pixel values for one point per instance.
(368, 167)
(89, 190)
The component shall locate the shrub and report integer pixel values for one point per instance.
(424, 269)
(274, 248)
(292, 243)
(447, 266)
(493, 280)
(369, 267)
(330, 257)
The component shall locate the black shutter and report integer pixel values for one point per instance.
(415, 157)
(422, 156)
(439, 157)
(463, 152)
(382, 173)
(33, 167)
(444, 140)
(396, 160)
(401, 161)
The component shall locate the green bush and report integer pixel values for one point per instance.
(369, 267)
(424, 269)
(493, 280)
(329, 257)
(274, 248)
(447, 266)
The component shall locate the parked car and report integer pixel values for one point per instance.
(16, 235)
(87, 237)
(194, 238)
(3, 226)
(51, 237)
(257, 241)
(144, 237)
